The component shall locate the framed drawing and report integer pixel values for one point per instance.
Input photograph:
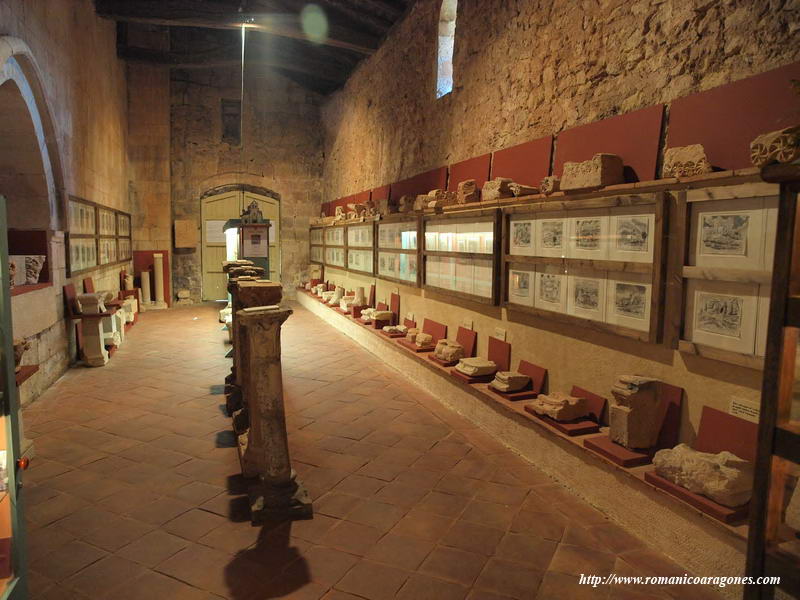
(722, 315)
(123, 225)
(465, 276)
(316, 236)
(728, 233)
(359, 260)
(762, 319)
(550, 289)
(588, 234)
(359, 236)
(631, 234)
(550, 235)
(107, 221)
(628, 298)
(521, 237)
(315, 254)
(521, 287)
(586, 294)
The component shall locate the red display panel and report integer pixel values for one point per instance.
(423, 183)
(380, 193)
(727, 118)
(473, 168)
(526, 163)
(633, 136)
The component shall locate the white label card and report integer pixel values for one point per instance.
(467, 324)
(410, 316)
(500, 334)
(744, 409)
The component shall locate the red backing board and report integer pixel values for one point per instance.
(436, 179)
(409, 324)
(725, 119)
(526, 163)
(500, 353)
(360, 198)
(381, 306)
(720, 431)
(371, 299)
(394, 306)
(88, 285)
(597, 404)
(537, 374)
(473, 168)
(380, 193)
(143, 261)
(633, 136)
(467, 338)
(436, 330)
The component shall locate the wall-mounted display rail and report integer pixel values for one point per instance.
(594, 263)
(461, 254)
(98, 236)
(399, 250)
(721, 271)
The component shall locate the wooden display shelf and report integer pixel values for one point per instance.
(736, 275)
(25, 372)
(18, 290)
(642, 336)
(617, 266)
(516, 410)
(748, 361)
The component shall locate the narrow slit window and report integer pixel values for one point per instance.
(447, 37)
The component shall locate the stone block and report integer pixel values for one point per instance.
(686, 161)
(561, 407)
(601, 170)
(636, 418)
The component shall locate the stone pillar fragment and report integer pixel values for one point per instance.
(278, 494)
(92, 312)
(158, 281)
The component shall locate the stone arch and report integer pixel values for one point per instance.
(31, 175)
(240, 187)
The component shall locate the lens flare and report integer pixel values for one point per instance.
(314, 23)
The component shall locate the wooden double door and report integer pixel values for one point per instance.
(215, 211)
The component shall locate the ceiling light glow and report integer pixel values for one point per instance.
(314, 23)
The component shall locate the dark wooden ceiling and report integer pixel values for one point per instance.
(197, 34)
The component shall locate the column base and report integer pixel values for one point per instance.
(289, 503)
(157, 305)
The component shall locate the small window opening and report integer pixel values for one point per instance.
(447, 37)
(231, 122)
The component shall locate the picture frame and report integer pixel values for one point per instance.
(728, 233)
(632, 234)
(586, 296)
(588, 234)
(521, 286)
(551, 235)
(522, 237)
(628, 300)
(722, 315)
(550, 289)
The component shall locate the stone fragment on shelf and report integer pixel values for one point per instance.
(421, 202)
(476, 367)
(327, 295)
(519, 189)
(550, 184)
(338, 294)
(686, 161)
(723, 477)
(396, 329)
(347, 302)
(782, 146)
(601, 170)
(383, 315)
(339, 214)
(411, 335)
(440, 198)
(448, 351)
(509, 381)
(560, 406)
(497, 188)
(406, 203)
(635, 418)
(423, 340)
(21, 345)
(467, 192)
(359, 300)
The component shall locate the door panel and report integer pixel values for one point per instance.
(213, 210)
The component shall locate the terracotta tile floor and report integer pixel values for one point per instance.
(134, 492)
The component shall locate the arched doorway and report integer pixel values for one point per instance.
(219, 204)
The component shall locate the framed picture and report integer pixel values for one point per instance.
(521, 287)
(483, 277)
(465, 276)
(432, 270)
(550, 289)
(628, 301)
(521, 242)
(588, 235)
(586, 295)
(631, 234)
(123, 225)
(722, 315)
(762, 319)
(550, 235)
(729, 234)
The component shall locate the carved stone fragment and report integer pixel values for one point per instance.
(561, 407)
(359, 300)
(724, 477)
(340, 214)
(550, 184)
(338, 294)
(782, 146)
(423, 339)
(635, 418)
(475, 367)
(448, 351)
(382, 315)
(396, 329)
(509, 381)
(406, 203)
(411, 335)
(467, 192)
(519, 189)
(20, 347)
(497, 188)
(686, 161)
(440, 198)
(601, 170)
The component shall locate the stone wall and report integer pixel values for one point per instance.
(281, 150)
(530, 68)
(83, 89)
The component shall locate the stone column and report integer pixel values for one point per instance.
(158, 280)
(278, 494)
(93, 311)
(146, 298)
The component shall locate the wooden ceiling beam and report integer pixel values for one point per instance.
(213, 15)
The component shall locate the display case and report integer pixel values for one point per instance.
(360, 255)
(593, 263)
(316, 253)
(399, 250)
(98, 236)
(724, 266)
(461, 255)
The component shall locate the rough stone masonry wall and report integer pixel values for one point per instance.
(529, 68)
(85, 87)
(281, 150)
